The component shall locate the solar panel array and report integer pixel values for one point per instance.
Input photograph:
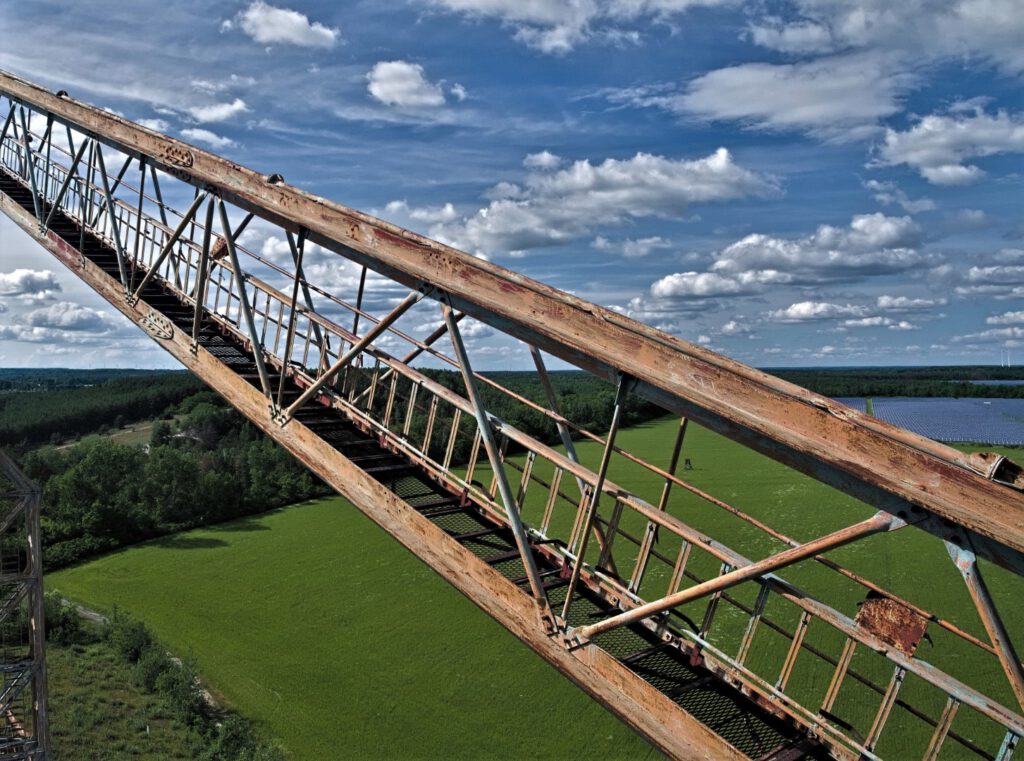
(988, 421)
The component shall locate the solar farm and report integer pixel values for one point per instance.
(989, 421)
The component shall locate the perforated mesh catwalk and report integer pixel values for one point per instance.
(613, 590)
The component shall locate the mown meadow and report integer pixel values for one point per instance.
(313, 622)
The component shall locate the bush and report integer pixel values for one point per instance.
(65, 553)
(180, 685)
(130, 638)
(151, 666)
(236, 740)
(63, 622)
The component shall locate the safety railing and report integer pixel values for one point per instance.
(736, 616)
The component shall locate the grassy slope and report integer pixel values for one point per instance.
(405, 667)
(97, 713)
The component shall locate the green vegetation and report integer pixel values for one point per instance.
(101, 494)
(62, 412)
(292, 614)
(906, 381)
(97, 713)
(115, 692)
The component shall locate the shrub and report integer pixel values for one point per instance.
(180, 686)
(128, 637)
(61, 554)
(151, 666)
(63, 623)
(235, 740)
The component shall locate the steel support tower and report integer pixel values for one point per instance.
(23, 721)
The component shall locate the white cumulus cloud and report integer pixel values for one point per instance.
(940, 146)
(871, 245)
(65, 315)
(542, 160)
(218, 112)
(206, 137)
(26, 282)
(554, 207)
(268, 25)
(807, 311)
(403, 84)
(841, 97)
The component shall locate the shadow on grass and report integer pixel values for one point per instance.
(242, 524)
(182, 542)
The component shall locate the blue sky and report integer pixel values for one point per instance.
(816, 182)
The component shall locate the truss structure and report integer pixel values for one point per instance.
(706, 649)
(23, 720)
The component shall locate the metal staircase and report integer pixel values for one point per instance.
(600, 582)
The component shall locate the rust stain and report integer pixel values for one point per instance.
(397, 240)
(892, 622)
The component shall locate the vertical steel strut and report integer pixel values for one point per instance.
(497, 466)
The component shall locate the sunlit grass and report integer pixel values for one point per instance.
(314, 622)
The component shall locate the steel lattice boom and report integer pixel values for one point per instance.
(598, 581)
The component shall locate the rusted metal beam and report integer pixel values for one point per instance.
(170, 244)
(877, 523)
(854, 452)
(407, 303)
(497, 467)
(967, 563)
(637, 703)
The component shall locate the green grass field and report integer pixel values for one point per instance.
(315, 623)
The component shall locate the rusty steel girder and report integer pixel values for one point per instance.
(883, 465)
(623, 692)
(181, 280)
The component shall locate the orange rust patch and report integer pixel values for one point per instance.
(893, 622)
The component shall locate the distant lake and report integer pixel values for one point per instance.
(989, 421)
(998, 382)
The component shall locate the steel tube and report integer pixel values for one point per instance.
(243, 296)
(563, 433)
(875, 524)
(204, 264)
(30, 165)
(297, 253)
(487, 434)
(114, 226)
(65, 185)
(357, 347)
(595, 497)
(169, 245)
(967, 564)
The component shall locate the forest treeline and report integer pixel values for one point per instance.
(907, 381)
(66, 411)
(206, 465)
(47, 378)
